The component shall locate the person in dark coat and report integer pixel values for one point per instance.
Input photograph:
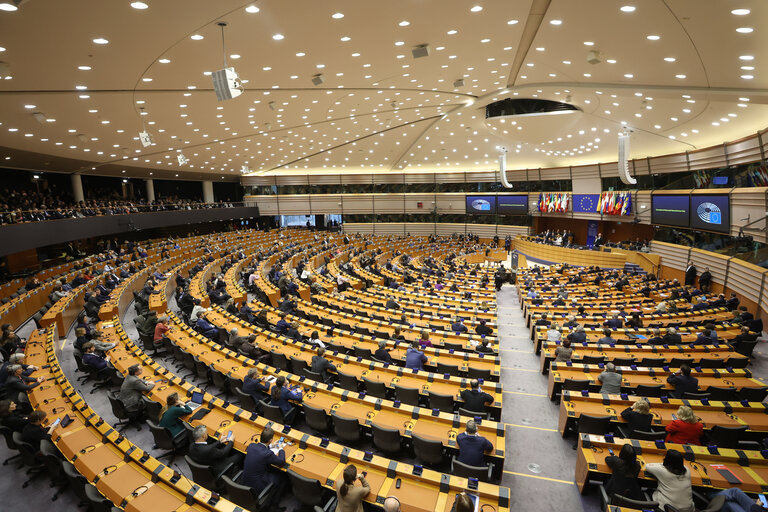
(705, 281)
(257, 472)
(690, 274)
(218, 455)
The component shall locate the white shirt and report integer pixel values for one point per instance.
(196, 311)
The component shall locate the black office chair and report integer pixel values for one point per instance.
(77, 482)
(695, 396)
(451, 369)
(722, 394)
(677, 362)
(348, 382)
(347, 429)
(34, 465)
(165, 441)
(575, 384)
(621, 501)
(593, 359)
(316, 418)
(126, 417)
(745, 348)
(365, 353)
(152, 410)
(453, 346)
(753, 394)
(53, 463)
(647, 436)
(279, 360)
(726, 437)
(482, 473)
(652, 362)
(96, 501)
(205, 476)
(315, 376)
(9, 442)
(429, 451)
(737, 362)
(408, 396)
(247, 403)
(623, 361)
(710, 362)
(444, 403)
(202, 372)
(472, 414)
(221, 382)
(386, 440)
(274, 413)
(243, 495)
(375, 388)
(479, 373)
(647, 391)
(297, 365)
(311, 493)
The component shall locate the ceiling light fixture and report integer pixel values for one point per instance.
(101, 40)
(278, 37)
(404, 23)
(196, 37)
(627, 8)
(555, 22)
(476, 8)
(653, 37)
(745, 30)
(10, 6)
(252, 9)
(139, 5)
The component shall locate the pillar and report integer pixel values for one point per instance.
(150, 190)
(208, 191)
(77, 187)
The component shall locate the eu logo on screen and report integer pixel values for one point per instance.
(481, 205)
(709, 213)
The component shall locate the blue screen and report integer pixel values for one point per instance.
(670, 210)
(483, 205)
(720, 180)
(711, 212)
(512, 205)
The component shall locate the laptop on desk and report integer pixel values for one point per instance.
(196, 400)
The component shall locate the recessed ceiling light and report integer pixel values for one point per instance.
(627, 8)
(589, 43)
(680, 76)
(100, 40)
(81, 87)
(747, 57)
(587, 75)
(486, 40)
(512, 22)
(399, 43)
(139, 5)
(740, 12)
(278, 37)
(2, 49)
(146, 79)
(745, 30)
(555, 22)
(476, 8)
(337, 15)
(346, 38)
(629, 75)
(234, 56)
(747, 77)
(669, 59)
(743, 99)
(251, 9)
(30, 106)
(300, 54)
(653, 37)
(196, 37)
(611, 61)
(404, 23)
(164, 61)
(748, 68)
(452, 32)
(84, 68)
(8, 6)
(566, 62)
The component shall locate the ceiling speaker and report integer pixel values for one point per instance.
(318, 79)
(458, 83)
(420, 51)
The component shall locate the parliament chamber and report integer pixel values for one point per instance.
(417, 256)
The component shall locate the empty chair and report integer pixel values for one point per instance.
(647, 435)
(652, 362)
(96, 501)
(722, 394)
(335, 347)
(220, 381)
(246, 401)
(201, 370)
(753, 394)
(408, 396)
(347, 429)
(280, 361)
(244, 496)
(153, 410)
(77, 482)
(444, 403)
(472, 414)
(576, 384)
(726, 437)
(204, 475)
(126, 417)
(35, 466)
(271, 412)
(165, 441)
(745, 348)
(677, 362)
(482, 473)
(710, 362)
(593, 359)
(428, 451)
(695, 396)
(589, 424)
(311, 493)
(297, 365)
(12, 447)
(478, 373)
(623, 361)
(365, 353)
(386, 439)
(451, 369)
(736, 362)
(315, 376)
(375, 388)
(53, 460)
(348, 381)
(453, 346)
(316, 418)
(647, 391)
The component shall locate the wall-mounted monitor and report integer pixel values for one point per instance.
(711, 212)
(481, 205)
(512, 205)
(670, 210)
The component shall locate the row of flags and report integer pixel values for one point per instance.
(554, 202)
(615, 203)
(702, 179)
(757, 176)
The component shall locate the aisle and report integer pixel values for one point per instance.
(539, 466)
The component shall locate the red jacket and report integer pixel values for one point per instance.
(680, 432)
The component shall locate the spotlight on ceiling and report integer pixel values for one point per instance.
(272, 105)
(182, 159)
(419, 51)
(226, 82)
(146, 138)
(318, 79)
(458, 83)
(593, 57)
(39, 117)
(11, 5)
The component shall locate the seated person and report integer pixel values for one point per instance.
(321, 365)
(656, 339)
(674, 482)
(625, 470)
(577, 336)
(672, 337)
(484, 347)
(95, 361)
(382, 353)
(11, 417)
(34, 432)
(133, 389)
(415, 358)
(554, 333)
(610, 380)
(257, 468)
(255, 386)
(483, 329)
(564, 352)
(206, 328)
(219, 455)
(472, 446)
(160, 329)
(424, 339)
(280, 396)
(683, 382)
(293, 332)
(607, 337)
(282, 325)
(314, 340)
(171, 416)
(458, 326)
(686, 429)
(614, 322)
(17, 382)
(705, 338)
(475, 399)
(638, 417)
(398, 335)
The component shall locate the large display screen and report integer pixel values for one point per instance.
(512, 205)
(483, 205)
(711, 212)
(670, 210)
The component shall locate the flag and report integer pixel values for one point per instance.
(627, 208)
(585, 203)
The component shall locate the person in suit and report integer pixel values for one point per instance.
(690, 274)
(577, 336)
(705, 338)
(171, 417)
(458, 326)
(255, 386)
(607, 337)
(733, 302)
(257, 468)
(638, 417)
(657, 338)
(280, 396)
(282, 325)
(16, 382)
(218, 455)
(34, 432)
(382, 353)
(614, 322)
(133, 388)
(474, 398)
(625, 470)
(472, 446)
(672, 337)
(705, 280)
(392, 303)
(95, 361)
(483, 329)
(415, 358)
(321, 365)
(701, 304)
(683, 382)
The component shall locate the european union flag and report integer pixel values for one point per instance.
(585, 203)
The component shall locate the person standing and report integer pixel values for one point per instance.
(690, 274)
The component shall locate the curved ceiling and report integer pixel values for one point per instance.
(87, 76)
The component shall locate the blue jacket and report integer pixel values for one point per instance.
(415, 359)
(283, 400)
(472, 448)
(94, 361)
(254, 388)
(258, 459)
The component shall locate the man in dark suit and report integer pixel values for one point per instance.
(217, 455)
(683, 381)
(656, 339)
(472, 446)
(392, 304)
(672, 338)
(475, 399)
(705, 280)
(257, 473)
(690, 274)
(458, 326)
(321, 365)
(732, 303)
(614, 322)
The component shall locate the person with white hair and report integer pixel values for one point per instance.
(391, 504)
(610, 380)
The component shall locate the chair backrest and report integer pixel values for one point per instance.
(589, 424)
(452, 346)
(163, 438)
(316, 418)
(8, 435)
(621, 501)
(745, 348)
(316, 376)
(646, 391)
(677, 362)
(246, 401)
(271, 412)
(52, 459)
(79, 362)
(28, 452)
(479, 373)
(592, 359)
(472, 414)
(428, 450)
(365, 353)
(153, 409)
(348, 429)
(348, 381)
(77, 482)
(375, 388)
(452, 369)
(242, 495)
(467, 471)
(726, 437)
(575, 384)
(97, 502)
(297, 365)
(721, 393)
(753, 394)
(118, 408)
(444, 403)
(201, 474)
(695, 396)
(710, 362)
(279, 360)
(408, 396)
(219, 380)
(386, 439)
(309, 491)
(652, 362)
(647, 436)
